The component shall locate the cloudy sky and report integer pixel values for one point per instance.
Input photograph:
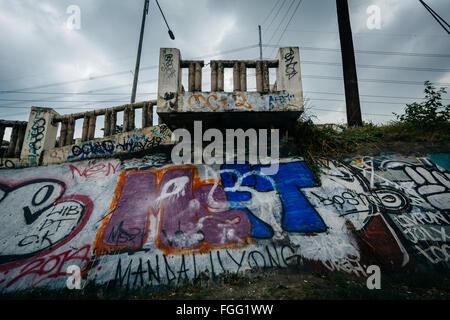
(45, 63)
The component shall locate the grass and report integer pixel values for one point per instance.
(339, 141)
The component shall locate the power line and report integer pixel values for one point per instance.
(282, 20)
(413, 54)
(436, 16)
(270, 12)
(289, 22)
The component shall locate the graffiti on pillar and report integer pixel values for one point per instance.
(37, 134)
(290, 64)
(40, 217)
(168, 67)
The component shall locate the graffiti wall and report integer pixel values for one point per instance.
(241, 101)
(128, 142)
(146, 222)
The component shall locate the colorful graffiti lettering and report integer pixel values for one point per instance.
(40, 218)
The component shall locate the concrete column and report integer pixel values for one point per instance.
(92, 121)
(144, 115)
(131, 118)
(259, 77)
(150, 114)
(40, 134)
(13, 141)
(70, 131)
(20, 139)
(266, 83)
(198, 76)
(2, 134)
(213, 76)
(191, 77)
(126, 120)
(63, 133)
(288, 73)
(113, 123)
(236, 77)
(169, 80)
(107, 124)
(243, 77)
(220, 77)
(85, 132)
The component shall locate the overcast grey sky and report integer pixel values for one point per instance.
(41, 55)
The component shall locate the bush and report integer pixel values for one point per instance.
(429, 113)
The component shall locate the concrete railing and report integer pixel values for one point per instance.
(17, 137)
(36, 143)
(110, 124)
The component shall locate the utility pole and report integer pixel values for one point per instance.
(138, 59)
(260, 44)
(348, 63)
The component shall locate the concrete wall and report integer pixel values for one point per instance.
(146, 222)
(127, 142)
(239, 101)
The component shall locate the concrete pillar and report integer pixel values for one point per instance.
(2, 134)
(70, 131)
(113, 123)
(265, 71)
(131, 118)
(13, 141)
(126, 120)
(40, 135)
(236, 77)
(107, 124)
(63, 133)
(191, 77)
(259, 77)
(144, 115)
(92, 121)
(243, 76)
(213, 66)
(169, 79)
(220, 77)
(85, 132)
(20, 139)
(288, 73)
(198, 76)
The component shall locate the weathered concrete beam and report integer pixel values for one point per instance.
(107, 124)
(220, 77)
(236, 77)
(13, 141)
(20, 140)
(243, 76)
(213, 76)
(70, 131)
(63, 133)
(198, 76)
(85, 132)
(248, 63)
(191, 77)
(92, 122)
